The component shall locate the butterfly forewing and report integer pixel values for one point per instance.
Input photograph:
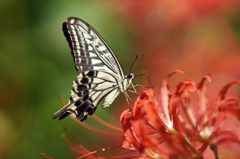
(101, 74)
(89, 49)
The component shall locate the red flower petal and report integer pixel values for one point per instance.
(224, 90)
(189, 86)
(230, 105)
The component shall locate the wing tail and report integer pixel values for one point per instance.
(61, 111)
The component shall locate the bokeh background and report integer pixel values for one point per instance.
(196, 36)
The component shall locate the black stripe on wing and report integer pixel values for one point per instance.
(80, 51)
(89, 88)
(89, 49)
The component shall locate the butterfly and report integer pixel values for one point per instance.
(100, 73)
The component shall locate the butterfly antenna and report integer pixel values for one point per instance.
(147, 77)
(133, 63)
(136, 62)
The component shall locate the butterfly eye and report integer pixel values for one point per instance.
(130, 75)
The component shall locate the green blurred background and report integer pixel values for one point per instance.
(36, 66)
(196, 36)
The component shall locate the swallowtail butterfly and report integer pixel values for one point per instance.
(100, 73)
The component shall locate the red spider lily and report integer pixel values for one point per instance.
(174, 127)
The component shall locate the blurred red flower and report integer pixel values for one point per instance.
(176, 126)
(177, 34)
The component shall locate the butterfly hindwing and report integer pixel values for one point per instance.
(88, 89)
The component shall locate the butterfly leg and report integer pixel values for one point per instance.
(134, 90)
(138, 85)
(128, 98)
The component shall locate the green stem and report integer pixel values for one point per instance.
(189, 144)
(191, 147)
(214, 148)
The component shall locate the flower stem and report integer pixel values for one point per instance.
(192, 148)
(189, 144)
(214, 148)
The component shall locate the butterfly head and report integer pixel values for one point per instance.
(128, 79)
(130, 76)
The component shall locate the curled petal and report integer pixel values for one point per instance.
(124, 119)
(130, 140)
(223, 91)
(203, 81)
(230, 105)
(164, 94)
(189, 86)
(201, 92)
(230, 100)
(226, 136)
(127, 144)
(146, 95)
(164, 88)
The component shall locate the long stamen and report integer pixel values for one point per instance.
(99, 151)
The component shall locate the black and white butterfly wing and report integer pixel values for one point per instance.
(90, 51)
(101, 74)
(89, 88)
